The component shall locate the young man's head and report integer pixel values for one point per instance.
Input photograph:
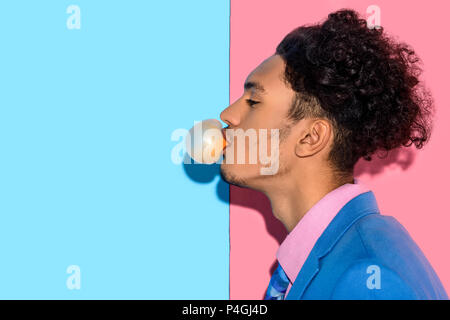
(337, 91)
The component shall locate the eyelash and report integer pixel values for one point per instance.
(251, 102)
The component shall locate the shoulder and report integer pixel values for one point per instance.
(370, 279)
(387, 265)
(383, 237)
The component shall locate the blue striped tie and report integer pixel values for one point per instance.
(278, 285)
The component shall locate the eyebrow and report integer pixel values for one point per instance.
(254, 85)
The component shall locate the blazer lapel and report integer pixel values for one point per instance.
(355, 209)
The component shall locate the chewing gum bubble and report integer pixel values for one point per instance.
(205, 141)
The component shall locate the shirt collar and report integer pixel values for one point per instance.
(297, 245)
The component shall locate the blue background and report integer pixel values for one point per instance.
(86, 176)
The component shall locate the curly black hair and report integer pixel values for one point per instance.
(363, 81)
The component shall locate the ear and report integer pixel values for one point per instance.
(315, 137)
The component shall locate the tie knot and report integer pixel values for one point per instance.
(278, 285)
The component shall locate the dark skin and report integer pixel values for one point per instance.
(304, 175)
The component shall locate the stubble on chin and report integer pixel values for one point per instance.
(232, 178)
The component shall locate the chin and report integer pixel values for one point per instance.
(233, 176)
(245, 176)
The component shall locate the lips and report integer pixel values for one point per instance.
(225, 142)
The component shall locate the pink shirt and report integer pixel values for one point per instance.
(297, 245)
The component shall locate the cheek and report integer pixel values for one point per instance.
(286, 151)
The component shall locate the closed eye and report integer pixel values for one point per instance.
(251, 102)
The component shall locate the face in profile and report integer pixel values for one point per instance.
(257, 122)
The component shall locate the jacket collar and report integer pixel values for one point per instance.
(355, 209)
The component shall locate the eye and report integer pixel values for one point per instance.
(251, 102)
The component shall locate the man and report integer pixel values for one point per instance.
(337, 91)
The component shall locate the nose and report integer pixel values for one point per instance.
(231, 116)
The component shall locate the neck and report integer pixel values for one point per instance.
(296, 196)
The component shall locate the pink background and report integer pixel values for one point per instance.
(409, 184)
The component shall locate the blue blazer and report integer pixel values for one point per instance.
(365, 255)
